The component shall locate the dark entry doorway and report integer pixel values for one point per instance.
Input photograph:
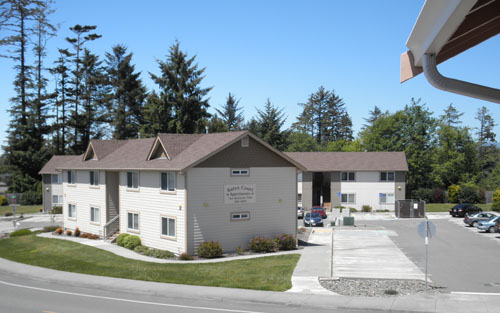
(321, 187)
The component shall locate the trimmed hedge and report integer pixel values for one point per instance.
(20, 232)
(131, 242)
(210, 250)
(159, 254)
(120, 240)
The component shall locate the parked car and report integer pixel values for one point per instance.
(464, 208)
(497, 227)
(300, 212)
(473, 219)
(313, 219)
(488, 225)
(319, 209)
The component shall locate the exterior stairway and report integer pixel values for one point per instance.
(113, 237)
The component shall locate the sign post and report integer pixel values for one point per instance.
(12, 199)
(426, 230)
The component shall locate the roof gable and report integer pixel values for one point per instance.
(90, 153)
(158, 151)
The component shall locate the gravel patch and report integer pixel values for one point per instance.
(303, 235)
(377, 287)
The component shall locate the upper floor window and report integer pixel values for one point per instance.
(348, 176)
(240, 172)
(56, 178)
(386, 176)
(299, 177)
(168, 181)
(71, 177)
(94, 178)
(133, 180)
(57, 199)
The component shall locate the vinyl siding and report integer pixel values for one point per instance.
(151, 204)
(209, 218)
(367, 188)
(84, 196)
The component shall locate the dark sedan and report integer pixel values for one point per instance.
(464, 208)
(313, 219)
(473, 219)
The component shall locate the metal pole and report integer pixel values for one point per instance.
(331, 258)
(426, 248)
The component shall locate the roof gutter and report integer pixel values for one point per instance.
(454, 85)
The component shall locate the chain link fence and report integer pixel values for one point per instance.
(410, 208)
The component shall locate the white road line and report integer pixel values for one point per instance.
(476, 293)
(128, 300)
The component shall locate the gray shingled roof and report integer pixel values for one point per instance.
(58, 161)
(351, 161)
(184, 150)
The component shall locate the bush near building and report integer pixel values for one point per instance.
(120, 240)
(20, 232)
(131, 242)
(210, 249)
(263, 244)
(3, 200)
(285, 242)
(496, 201)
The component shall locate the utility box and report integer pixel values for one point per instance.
(348, 220)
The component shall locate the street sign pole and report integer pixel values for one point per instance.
(426, 248)
(426, 230)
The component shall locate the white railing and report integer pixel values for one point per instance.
(111, 227)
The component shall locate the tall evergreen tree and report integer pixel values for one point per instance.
(181, 100)
(488, 155)
(268, 126)
(231, 114)
(128, 94)
(374, 115)
(451, 116)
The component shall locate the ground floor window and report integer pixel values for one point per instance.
(299, 197)
(94, 215)
(57, 199)
(168, 226)
(387, 198)
(348, 198)
(72, 210)
(133, 221)
(240, 216)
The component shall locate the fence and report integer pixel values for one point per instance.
(410, 208)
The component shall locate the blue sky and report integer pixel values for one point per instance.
(282, 50)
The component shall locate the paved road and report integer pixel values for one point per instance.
(460, 258)
(31, 221)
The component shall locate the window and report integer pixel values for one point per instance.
(71, 210)
(386, 198)
(168, 226)
(133, 221)
(71, 178)
(94, 215)
(386, 176)
(348, 198)
(240, 172)
(299, 177)
(94, 178)
(348, 176)
(132, 180)
(245, 142)
(56, 178)
(240, 216)
(168, 181)
(299, 197)
(57, 199)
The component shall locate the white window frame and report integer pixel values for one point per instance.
(240, 216)
(168, 218)
(58, 178)
(72, 175)
(71, 217)
(95, 182)
(93, 209)
(168, 190)
(386, 196)
(240, 172)
(133, 188)
(347, 176)
(348, 194)
(59, 199)
(245, 142)
(387, 176)
(299, 197)
(135, 230)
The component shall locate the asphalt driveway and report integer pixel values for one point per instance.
(460, 259)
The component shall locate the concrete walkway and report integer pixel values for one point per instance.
(370, 253)
(126, 253)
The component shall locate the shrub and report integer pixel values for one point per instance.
(496, 201)
(382, 211)
(239, 250)
(423, 194)
(41, 209)
(3, 200)
(120, 240)
(9, 213)
(438, 195)
(92, 236)
(210, 250)
(48, 229)
(353, 210)
(263, 244)
(302, 230)
(20, 232)
(366, 208)
(84, 235)
(141, 249)
(453, 193)
(469, 193)
(56, 210)
(285, 242)
(162, 254)
(185, 256)
(77, 232)
(59, 230)
(131, 242)
(31, 197)
(68, 232)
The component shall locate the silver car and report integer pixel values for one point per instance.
(488, 226)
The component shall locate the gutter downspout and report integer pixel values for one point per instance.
(454, 85)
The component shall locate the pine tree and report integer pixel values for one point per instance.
(128, 94)
(180, 93)
(231, 114)
(374, 115)
(486, 137)
(451, 116)
(268, 126)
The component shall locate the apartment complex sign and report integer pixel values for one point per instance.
(235, 194)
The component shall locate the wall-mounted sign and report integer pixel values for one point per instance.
(234, 194)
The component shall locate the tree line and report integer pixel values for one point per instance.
(103, 97)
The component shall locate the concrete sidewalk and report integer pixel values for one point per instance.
(422, 303)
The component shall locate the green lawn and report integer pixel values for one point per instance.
(266, 273)
(445, 207)
(20, 209)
